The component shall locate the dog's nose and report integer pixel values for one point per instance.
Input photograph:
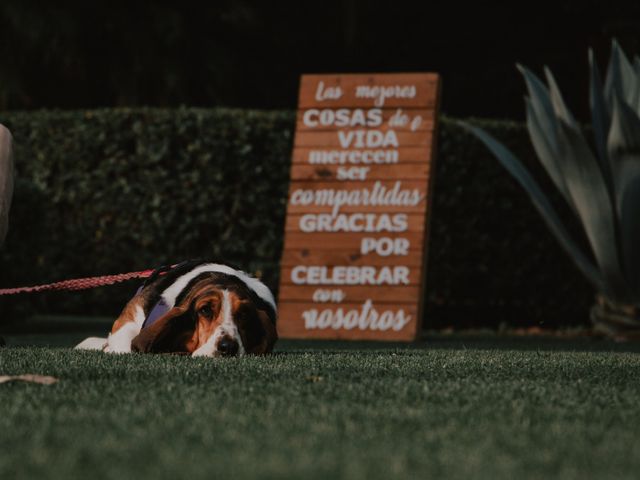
(228, 346)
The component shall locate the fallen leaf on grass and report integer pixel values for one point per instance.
(28, 377)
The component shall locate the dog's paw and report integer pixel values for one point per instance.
(92, 343)
(117, 347)
(120, 341)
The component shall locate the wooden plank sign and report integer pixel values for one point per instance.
(353, 265)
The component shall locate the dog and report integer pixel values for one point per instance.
(196, 308)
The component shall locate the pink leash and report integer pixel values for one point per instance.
(79, 283)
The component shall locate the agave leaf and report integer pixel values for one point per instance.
(546, 153)
(593, 203)
(542, 105)
(557, 101)
(636, 67)
(541, 203)
(624, 151)
(601, 120)
(590, 192)
(622, 78)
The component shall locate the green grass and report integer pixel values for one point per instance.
(445, 408)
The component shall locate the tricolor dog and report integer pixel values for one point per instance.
(196, 308)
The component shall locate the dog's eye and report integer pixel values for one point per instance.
(206, 311)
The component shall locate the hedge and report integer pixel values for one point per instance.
(115, 190)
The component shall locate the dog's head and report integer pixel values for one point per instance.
(211, 320)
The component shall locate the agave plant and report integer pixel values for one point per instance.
(602, 188)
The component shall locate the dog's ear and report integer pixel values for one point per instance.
(169, 334)
(268, 337)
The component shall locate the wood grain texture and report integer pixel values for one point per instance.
(319, 173)
(331, 241)
(294, 222)
(294, 326)
(413, 278)
(322, 121)
(361, 173)
(386, 294)
(305, 256)
(302, 155)
(426, 90)
(331, 139)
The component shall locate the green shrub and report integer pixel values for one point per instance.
(109, 191)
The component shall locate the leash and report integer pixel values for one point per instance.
(82, 283)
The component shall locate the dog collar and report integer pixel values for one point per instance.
(157, 311)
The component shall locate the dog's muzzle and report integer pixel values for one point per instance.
(227, 347)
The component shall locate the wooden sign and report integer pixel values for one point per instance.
(353, 265)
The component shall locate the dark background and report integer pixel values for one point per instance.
(107, 190)
(244, 53)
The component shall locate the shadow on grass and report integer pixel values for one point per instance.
(486, 341)
(64, 331)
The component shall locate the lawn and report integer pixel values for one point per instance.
(444, 408)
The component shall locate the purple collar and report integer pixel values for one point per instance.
(158, 310)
